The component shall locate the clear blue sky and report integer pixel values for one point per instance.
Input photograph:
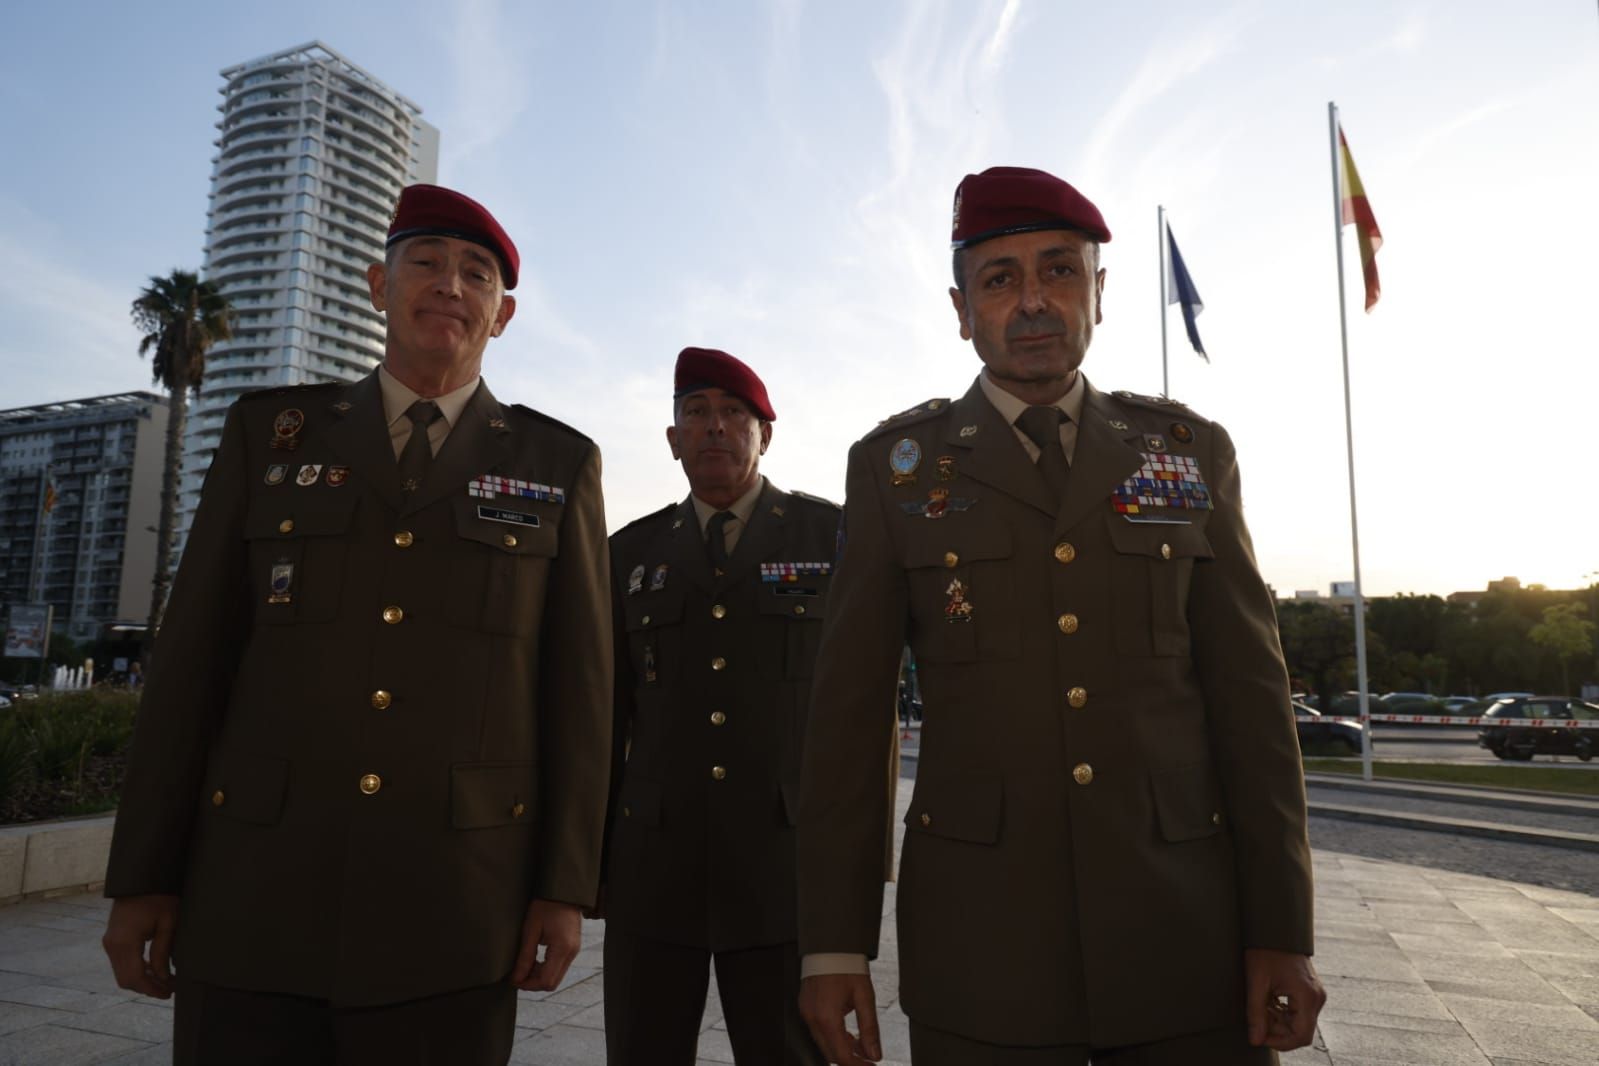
(774, 178)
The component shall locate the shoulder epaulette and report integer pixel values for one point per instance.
(646, 518)
(822, 500)
(920, 413)
(285, 390)
(1158, 403)
(547, 420)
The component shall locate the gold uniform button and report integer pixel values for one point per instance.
(286, 526)
(1064, 552)
(217, 798)
(718, 611)
(392, 615)
(644, 621)
(1077, 696)
(381, 700)
(718, 718)
(404, 539)
(1215, 818)
(517, 810)
(509, 540)
(1082, 773)
(799, 608)
(1165, 551)
(370, 783)
(718, 772)
(927, 820)
(951, 559)
(1067, 623)
(718, 663)
(627, 812)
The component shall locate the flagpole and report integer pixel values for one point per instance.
(1160, 225)
(1349, 438)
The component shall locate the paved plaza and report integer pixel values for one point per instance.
(1422, 965)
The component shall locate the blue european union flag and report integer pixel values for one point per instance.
(1180, 290)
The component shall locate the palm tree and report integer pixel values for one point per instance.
(180, 317)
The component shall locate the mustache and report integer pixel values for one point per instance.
(1033, 325)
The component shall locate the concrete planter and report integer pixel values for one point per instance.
(44, 859)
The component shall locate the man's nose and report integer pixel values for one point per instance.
(447, 283)
(714, 424)
(1032, 294)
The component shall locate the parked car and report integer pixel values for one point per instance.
(1513, 740)
(1325, 734)
(1453, 704)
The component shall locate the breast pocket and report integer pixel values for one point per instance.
(502, 563)
(654, 625)
(802, 605)
(297, 556)
(962, 593)
(1151, 571)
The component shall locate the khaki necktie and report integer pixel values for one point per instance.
(1042, 426)
(417, 455)
(716, 540)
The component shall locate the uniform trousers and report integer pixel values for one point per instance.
(1218, 1047)
(216, 1026)
(655, 1000)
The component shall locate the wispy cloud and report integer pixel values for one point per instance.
(490, 85)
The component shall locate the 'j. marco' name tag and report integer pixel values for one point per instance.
(500, 514)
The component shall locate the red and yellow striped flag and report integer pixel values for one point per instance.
(1357, 210)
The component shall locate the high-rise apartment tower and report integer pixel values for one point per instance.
(311, 157)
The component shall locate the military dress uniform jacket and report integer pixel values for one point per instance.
(1109, 804)
(376, 726)
(713, 676)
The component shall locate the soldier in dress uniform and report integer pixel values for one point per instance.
(367, 782)
(718, 604)
(1105, 853)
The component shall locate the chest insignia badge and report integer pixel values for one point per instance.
(491, 485)
(968, 431)
(286, 429)
(279, 588)
(957, 608)
(308, 474)
(635, 580)
(1154, 442)
(1117, 424)
(938, 504)
(658, 578)
(276, 473)
(337, 475)
(1182, 432)
(946, 467)
(903, 459)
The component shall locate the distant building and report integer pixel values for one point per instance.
(311, 157)
(80, 493)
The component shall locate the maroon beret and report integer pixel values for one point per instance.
(707, 368)
(1005, 200)
(434, 211)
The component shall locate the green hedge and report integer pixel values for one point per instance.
(63, 754)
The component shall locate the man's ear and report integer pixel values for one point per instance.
(377, 276)
(958, 298)
(671, 439)
(503, 316)
(766, 436)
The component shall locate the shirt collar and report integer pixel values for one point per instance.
(1010, 407)
(742, 507)
(398, 398)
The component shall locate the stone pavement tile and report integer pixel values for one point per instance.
(1348, 1042)
(1582, 989)
(1361, 932)
(1553, 1015)
(587, 1018)
(1399, 915)
(1343, 910)
(9, 980)
(155, 1055)
(133, 1019)
(1383, 1019)
(15, 1017)
(539, 1014)
(1412, 1000)
(51, 1045)
(1505, 908)
(1349, 959)
(715, 1046)
(1588, 917)
(44, 994)
(564, 1045)
(23, 937)
(584, 993)
(1559, 1047)
(1473, 944)
(1555, 897)
(1564, 963)
(72, 956)
(1315, 1055)
(1508, 979)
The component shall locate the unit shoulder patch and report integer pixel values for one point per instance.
(920, 413)
(1163, 404)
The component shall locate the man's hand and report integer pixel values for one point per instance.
(824, 1002)
(559, 928)
(1282, 997)
(136, 921)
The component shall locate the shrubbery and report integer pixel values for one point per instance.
(63, 754)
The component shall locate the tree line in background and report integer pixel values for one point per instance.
(1511, 640)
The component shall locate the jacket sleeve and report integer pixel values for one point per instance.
(843, 805)
(1251, 723)
(189, 683)
(623, 708)
(574, 704)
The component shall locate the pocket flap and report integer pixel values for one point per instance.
(654, 609)
(968, 544)
(249, 788)
(1160, 540)
(514, 526)
(1187, 803)
(640, 802)
(313, 514)
(487, 794)
(959, 808)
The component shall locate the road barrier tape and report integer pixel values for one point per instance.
(1420, 719)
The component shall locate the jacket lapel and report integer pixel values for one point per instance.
(1102, 460)
(993, 455)
(685, 547)
(763, 536)
(480, 443)
(358, 433)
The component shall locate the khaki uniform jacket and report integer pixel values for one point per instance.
(376, 727)
(1109, 804)
(713, 675)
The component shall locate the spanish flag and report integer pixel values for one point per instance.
(49, 495)
(1357, 210)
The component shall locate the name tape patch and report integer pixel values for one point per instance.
(500, 514)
